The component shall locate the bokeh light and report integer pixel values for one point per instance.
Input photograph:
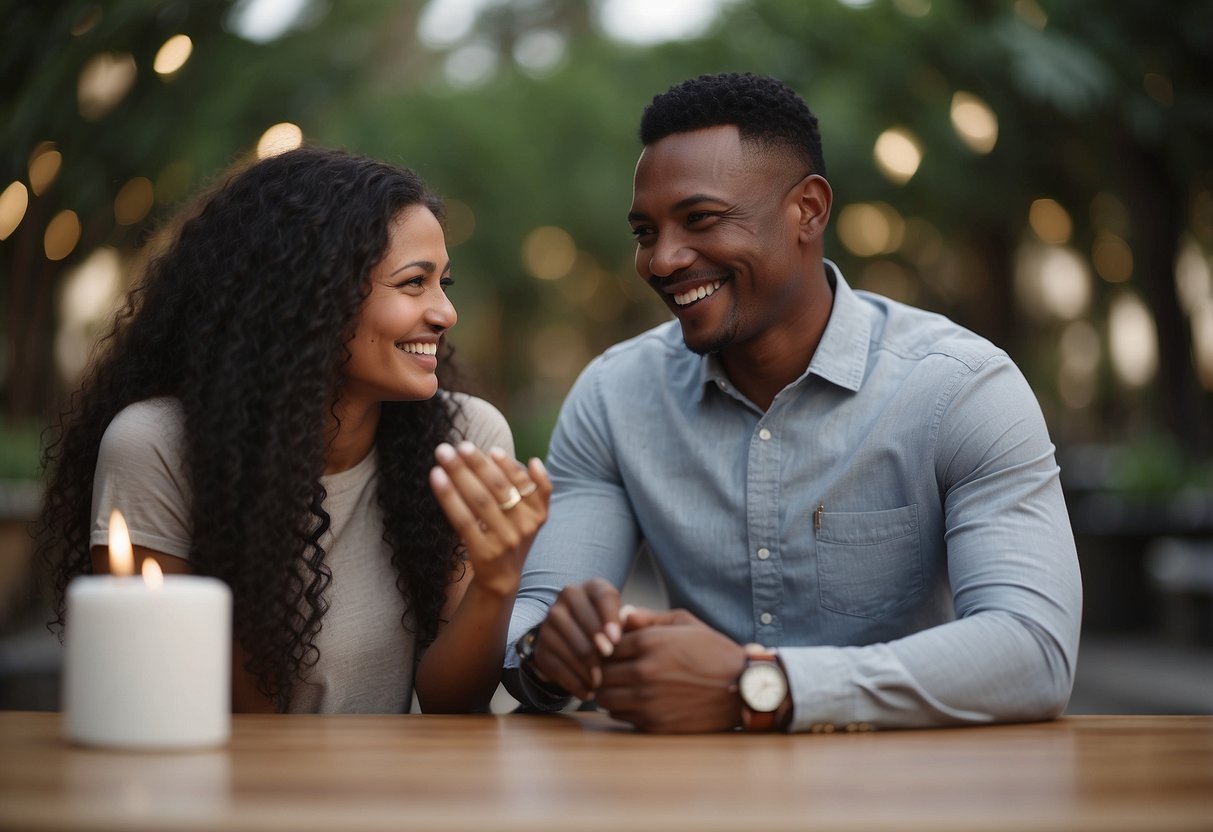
(13, 202)
(1193, 276)
(1202, 342)
(104, 82)
(913, 8)
(62, 235)
(90, 294)
(549, 252)
(280, 138)
(173, 55)
(1080, 351)
(540, 52)
(1132, 340)
(1050, 221)
(1112, 258)
(1052, 282)
(974, 122)
(898, 154)
(134, 201)
(44, 164)
(471, 65)
(868, 229)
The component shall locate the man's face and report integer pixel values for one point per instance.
(716, 227)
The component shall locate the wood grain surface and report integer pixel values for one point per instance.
(583, 771)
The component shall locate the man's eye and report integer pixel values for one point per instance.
(697, 216)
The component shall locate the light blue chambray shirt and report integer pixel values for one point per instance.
(893, 523)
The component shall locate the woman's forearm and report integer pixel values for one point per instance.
(461, 669)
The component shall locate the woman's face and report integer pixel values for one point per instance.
(393, 352)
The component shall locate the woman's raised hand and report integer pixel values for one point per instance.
(496, 505)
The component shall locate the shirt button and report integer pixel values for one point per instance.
(766, 618)
(763, 554)
(722, 385)
(764, 434)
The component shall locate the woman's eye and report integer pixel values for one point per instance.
(447, 282)
(641, 231)
(413, 283)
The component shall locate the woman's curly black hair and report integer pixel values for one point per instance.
(244, 318)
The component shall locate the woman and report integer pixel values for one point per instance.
(266, 410)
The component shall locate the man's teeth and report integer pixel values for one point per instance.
(420, 349)
(698, 293)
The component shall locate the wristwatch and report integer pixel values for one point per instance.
(525, 646)
(763, 687)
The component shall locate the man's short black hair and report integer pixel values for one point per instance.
(763, 109)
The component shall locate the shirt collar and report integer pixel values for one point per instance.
(842, 354)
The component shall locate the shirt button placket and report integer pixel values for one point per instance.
(763, 517)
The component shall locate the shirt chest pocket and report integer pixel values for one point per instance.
(868, 562)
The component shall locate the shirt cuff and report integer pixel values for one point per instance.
(822, 694)
(532, 695)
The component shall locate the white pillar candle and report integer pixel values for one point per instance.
(146, 665)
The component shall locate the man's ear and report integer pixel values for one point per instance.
(813, 200)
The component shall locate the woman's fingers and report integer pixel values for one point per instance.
(532, 482)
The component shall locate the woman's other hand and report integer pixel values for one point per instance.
(496, 505)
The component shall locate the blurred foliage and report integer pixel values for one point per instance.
(19, 452)
(555, 146)
(1158, 465)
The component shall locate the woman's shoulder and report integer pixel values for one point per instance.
(479, 421)
(158, 422)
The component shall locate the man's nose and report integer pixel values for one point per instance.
(669, 256)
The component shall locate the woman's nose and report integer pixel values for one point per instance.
(442, 312)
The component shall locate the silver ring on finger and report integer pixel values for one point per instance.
(514, 499)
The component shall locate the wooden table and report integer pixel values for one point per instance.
(582, 771)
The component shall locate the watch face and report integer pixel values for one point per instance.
(763, 687)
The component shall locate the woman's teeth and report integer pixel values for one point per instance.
(420, 349)
(698, 293)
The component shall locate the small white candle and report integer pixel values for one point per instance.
(148, 659)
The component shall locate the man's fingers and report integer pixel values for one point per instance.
(638, 618)
(605, 598)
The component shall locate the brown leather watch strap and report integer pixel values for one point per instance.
(765, 721)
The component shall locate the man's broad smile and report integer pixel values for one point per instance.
(696, 293)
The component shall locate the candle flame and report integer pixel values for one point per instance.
(153, 576)
(122, 559)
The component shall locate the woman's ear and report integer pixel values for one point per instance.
(813, 200)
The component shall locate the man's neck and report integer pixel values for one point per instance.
(765, 365)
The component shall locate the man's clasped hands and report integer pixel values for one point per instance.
(660, 670)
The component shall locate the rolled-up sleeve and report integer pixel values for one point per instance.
(1010, 654)
(591, 530)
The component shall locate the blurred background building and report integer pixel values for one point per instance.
(1040, 171)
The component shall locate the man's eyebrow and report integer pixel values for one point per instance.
(685, 202)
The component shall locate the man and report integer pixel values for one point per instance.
(854, 503)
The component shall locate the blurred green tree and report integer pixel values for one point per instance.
(527, 121)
